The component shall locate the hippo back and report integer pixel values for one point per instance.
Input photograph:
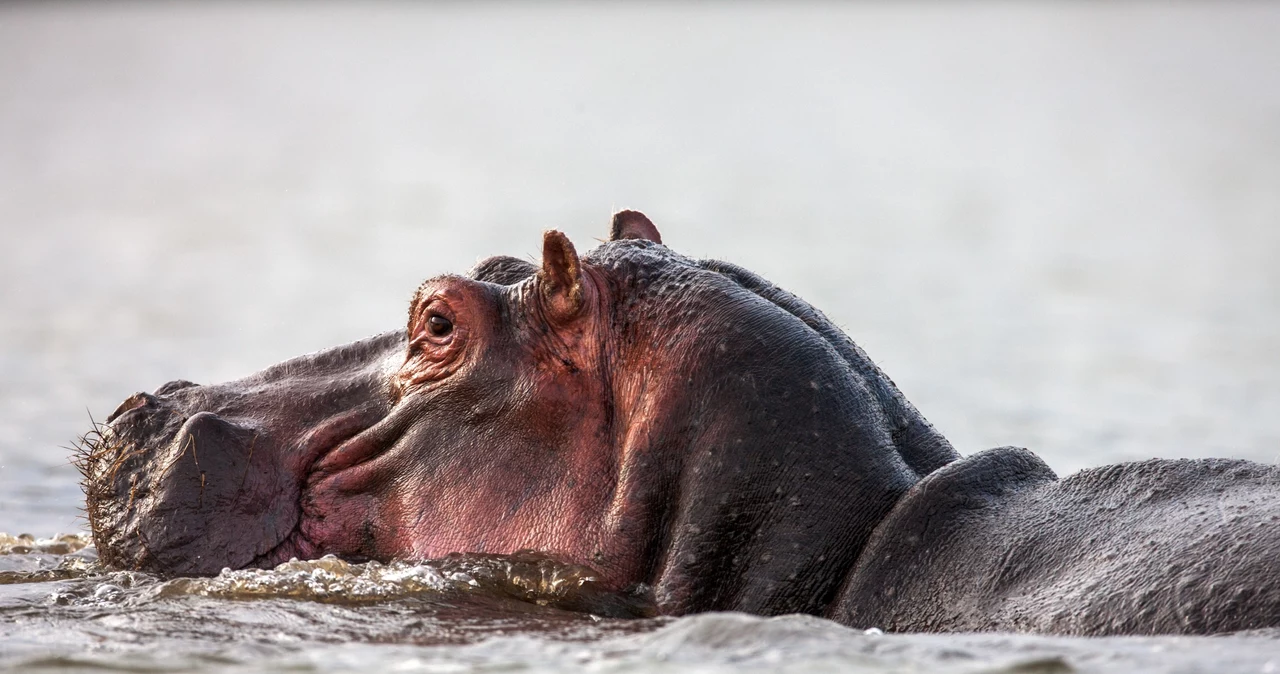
(995, 542)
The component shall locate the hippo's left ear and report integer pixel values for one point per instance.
(633, 225)
(561, 276)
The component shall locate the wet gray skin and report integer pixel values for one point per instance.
(691, 432)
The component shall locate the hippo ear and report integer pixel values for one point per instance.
(633, 225)
(561, 275)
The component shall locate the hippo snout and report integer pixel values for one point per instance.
(192, 479)
(165, 487)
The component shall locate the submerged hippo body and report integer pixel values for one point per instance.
(682, 427)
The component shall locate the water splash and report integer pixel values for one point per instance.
(27, 559)
(61, 544)
(327, 579)
(524, 576)
(486, 612)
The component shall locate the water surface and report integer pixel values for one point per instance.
(486, 613)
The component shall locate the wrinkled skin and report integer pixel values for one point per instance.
(678, 425)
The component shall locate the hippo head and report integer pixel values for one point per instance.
(674, 422)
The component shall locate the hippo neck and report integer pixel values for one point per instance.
(921, 446)
(760, 447)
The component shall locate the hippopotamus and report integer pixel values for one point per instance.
(687, 430)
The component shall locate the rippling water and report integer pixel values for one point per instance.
(1054, 226)
(61, 611)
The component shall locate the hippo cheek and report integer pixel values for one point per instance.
(345, 524)
(366, 513)
(418, 512)
(216, 500)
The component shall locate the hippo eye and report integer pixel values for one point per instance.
(439, 325)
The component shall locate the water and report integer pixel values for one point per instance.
(1052, 225)
(482, 613)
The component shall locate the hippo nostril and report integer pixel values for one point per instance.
(133, 402)
(175, 385)
(209, 429)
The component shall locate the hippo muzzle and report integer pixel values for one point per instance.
(192, 479)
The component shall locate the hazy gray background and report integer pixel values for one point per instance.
(1054, 225)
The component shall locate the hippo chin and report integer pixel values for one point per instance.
(679, 424)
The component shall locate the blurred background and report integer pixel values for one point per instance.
(1054, 225)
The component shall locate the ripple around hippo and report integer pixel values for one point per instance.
(332, 616)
